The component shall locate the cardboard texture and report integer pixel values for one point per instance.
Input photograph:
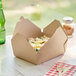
(25, 29)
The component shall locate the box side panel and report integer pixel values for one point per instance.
(22, 49)
(51, 28)
(27, 28)
(54, 46)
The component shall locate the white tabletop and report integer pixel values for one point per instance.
(12, 66)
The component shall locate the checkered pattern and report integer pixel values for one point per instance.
(54, 72)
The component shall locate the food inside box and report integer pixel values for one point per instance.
(38, 42)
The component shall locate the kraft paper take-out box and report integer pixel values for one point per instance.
(25, 29)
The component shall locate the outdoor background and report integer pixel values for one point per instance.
(40, 12)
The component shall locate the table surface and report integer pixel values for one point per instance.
(12, 66)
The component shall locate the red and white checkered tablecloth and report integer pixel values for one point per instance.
(54, 72)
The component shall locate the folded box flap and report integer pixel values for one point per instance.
(27, 28)
(51, 28)
(54, 46)
(23, 49)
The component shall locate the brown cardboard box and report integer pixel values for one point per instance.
(25, 29)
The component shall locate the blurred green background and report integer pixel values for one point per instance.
(40, 12)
